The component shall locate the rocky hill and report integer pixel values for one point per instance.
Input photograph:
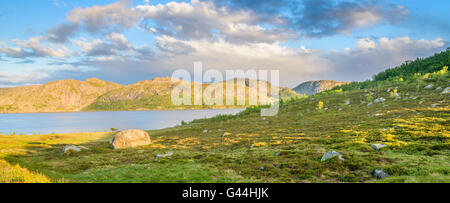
(98, 95)
(57, 96)
(156, 95)
(314, 87)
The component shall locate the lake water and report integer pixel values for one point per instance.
(46, 123)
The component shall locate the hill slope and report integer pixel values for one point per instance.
(156, 94)
(412, 120)
(57, 96)
(314, 87)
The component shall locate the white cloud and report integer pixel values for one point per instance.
(34, 47)
(116, 16)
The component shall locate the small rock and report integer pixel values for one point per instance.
(164, 155)
(428, 86)
(71, 148)
(414, 98)
(381, 99)
(205, 131)
(446, 90)
(378, 146)
(277, 154)
(384, 106)
(331, 154)
(380, 174)
(347, 102)
(438, 88)
(262, 168)
(389, 90)
(325, 109)
(433, 105)
(339, 109)
(220, 130)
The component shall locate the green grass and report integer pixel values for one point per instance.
(284, 148)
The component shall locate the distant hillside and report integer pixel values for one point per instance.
(314, 87)
(57, 96)
(156, 95)
(98, 95)
(410, 70)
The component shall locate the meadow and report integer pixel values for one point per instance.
(413, 122)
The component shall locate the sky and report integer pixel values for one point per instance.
(127, 41)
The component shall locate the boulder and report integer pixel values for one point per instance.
(71, 148)
(380, 174)
(378, 146)
(446, 90)
(429, 86)
(381, 99)
(131, 138)
(330, 155)
(164, 155)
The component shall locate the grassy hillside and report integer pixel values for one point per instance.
(58, 96)
(411, 72)
(98, 95)
(156, 94)
(413, 121)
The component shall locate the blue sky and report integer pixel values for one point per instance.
(128, 41)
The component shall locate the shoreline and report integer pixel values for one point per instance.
(140, 110)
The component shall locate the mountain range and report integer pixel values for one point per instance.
(98, 95)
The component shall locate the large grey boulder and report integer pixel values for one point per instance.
(164, 155)
(378, 146)
(330, 155)
(130, 139)
(429, 86)
(446, 90)
(381, 99)
(380, 174)
(72, 148)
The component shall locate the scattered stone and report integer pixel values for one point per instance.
(339, 109)
(347, 102)
(381, 99)
(330, 155)
(262, 168)
(370, 104)
(325, 109)
(378, 146)
(380, 174)
(71, 148)
(205, 131)
(130, 139)
(438, 88)
(164, 155)
(220, 130)
(446, 90)
(429, 86)
(433, 105)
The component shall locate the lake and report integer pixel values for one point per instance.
(46, 123)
